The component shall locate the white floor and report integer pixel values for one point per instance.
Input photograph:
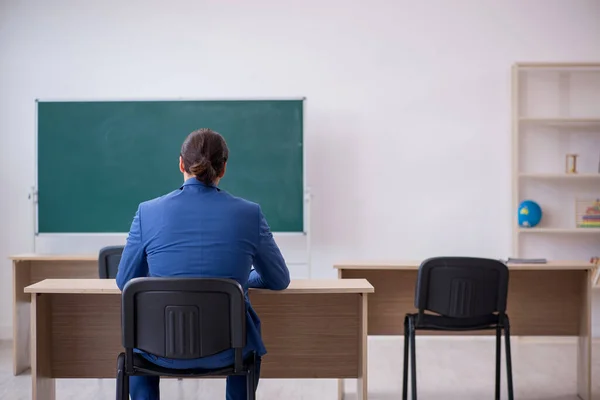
(448, 368)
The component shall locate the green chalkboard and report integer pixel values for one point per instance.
(98, 160)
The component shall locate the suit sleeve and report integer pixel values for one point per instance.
(270, 270)
(133, 262)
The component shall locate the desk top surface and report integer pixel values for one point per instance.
(54, 257)
(414, 265)
(108, 286)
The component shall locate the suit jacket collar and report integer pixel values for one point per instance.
(196, 182)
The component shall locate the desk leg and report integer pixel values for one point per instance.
(584, 351)
(362, 387)
(341, 380)
(42, 383)
(21, 316)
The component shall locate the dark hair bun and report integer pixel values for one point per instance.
(204, 170)
(204, 154)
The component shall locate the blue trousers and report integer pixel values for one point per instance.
(147, 387)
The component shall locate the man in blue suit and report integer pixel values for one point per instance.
(202, 231)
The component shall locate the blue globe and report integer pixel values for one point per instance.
(530, 214)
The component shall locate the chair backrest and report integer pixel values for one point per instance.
(184, 318)
(108, 261)
(462, 287)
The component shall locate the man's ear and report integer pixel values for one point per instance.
(224, 169)
(181, 165)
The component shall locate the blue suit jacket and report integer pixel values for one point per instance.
(202, 231)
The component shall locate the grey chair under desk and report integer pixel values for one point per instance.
(108, 261)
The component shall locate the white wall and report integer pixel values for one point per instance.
(408, 110)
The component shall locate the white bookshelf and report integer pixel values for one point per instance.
(556, 111)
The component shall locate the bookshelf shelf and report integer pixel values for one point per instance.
(572, 177)
(588, 123)
(562, 231)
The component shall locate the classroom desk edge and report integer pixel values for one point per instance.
(107, 286)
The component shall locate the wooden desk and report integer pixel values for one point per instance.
(32, 268)
(551, 299)
(313, 329)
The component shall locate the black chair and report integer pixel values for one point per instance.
(182, 319)
(466, 294)
(108, 261)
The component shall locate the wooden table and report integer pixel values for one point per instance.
(552, 299)
(313, 329)
(32, 268)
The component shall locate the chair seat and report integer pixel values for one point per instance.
(142, 366)
(439, 322)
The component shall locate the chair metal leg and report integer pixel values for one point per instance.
(249, 385)
(509, 377)
(406, 351)
(250, 382)
(122, 379)
(126, 387)
(119, 394)
(413, 359)
(498, 358)
(254, 377)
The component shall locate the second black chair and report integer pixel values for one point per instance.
(464, 294)
(108, 261)
(183, 319)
